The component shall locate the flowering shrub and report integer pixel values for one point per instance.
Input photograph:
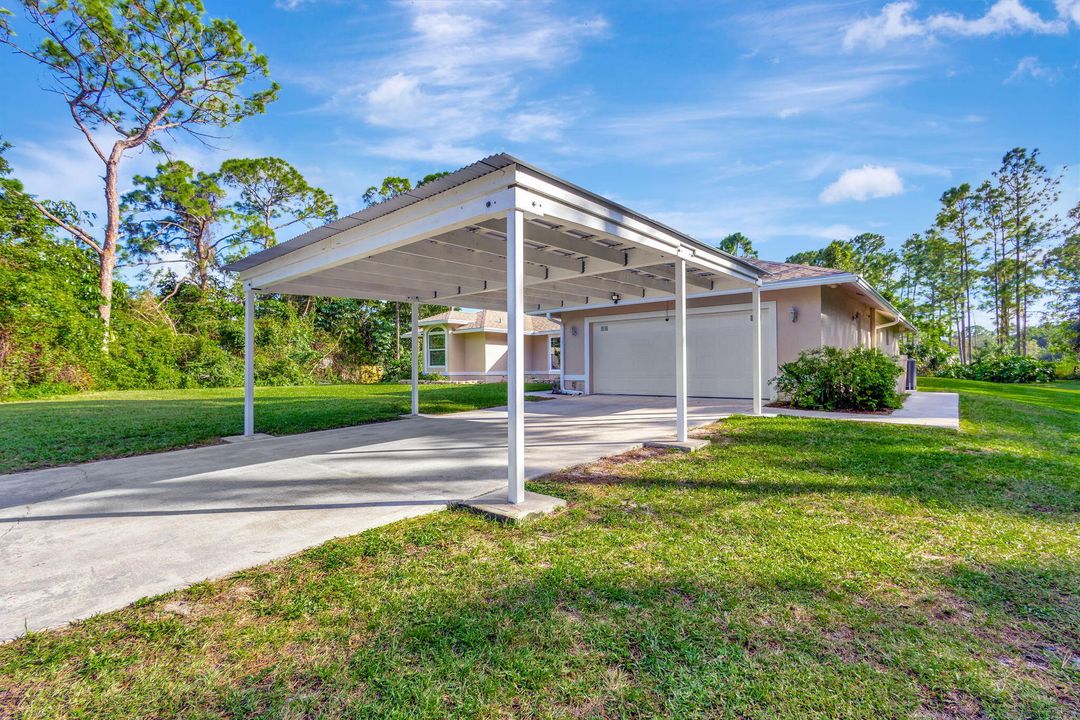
(835, 379)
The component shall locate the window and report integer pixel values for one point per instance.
(436, 348)
(554, 353)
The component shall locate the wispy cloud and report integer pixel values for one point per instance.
(1031, 67)
(460, 73)
(859, 184)
(897, 21)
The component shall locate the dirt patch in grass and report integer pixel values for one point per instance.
(606, 470)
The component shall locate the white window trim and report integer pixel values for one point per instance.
(708, 309)
(549, 354)
(428, 367)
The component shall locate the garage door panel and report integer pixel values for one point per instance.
(636, 356)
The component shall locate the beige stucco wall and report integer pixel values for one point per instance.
(471, 356)
(792, 337)
(838, 307)
(536, 353)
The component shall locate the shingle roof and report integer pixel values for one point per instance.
(451, 317)
(779, 271)
(489, 320)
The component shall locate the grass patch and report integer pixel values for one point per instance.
(91, 426)
(798, 568)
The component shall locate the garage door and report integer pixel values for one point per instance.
(636, 356)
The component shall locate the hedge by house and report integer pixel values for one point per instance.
(1003, 369)
(834, 379)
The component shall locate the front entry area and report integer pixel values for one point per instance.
(634, 354)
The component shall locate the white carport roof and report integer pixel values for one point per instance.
(445, 243)
(499, 234)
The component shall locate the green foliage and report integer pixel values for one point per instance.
(273, 195)
(865, 255)
(834, 379)
(138, 67)
(1003, 369)
(49, 333)
(737, 244)
(174, 213)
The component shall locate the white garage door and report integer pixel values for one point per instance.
(636, 356)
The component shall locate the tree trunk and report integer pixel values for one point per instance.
(1018, 275)
(107, 258)
(397, 330)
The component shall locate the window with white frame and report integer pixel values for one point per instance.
(436, 348)
(554, 353)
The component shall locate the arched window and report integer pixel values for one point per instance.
(436, 348)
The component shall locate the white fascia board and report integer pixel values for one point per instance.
(424, 323)
(765, 287)
(475, 201)
(885, 304)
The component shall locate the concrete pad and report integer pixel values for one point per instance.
(84, 539)
(687, 446)
(495, 506)
(929, 409)
(245, 438)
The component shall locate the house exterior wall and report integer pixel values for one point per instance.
(792, 337)
(536, 353)
(482, 356)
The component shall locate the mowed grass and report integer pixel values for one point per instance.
(90, 426)
(796, 569)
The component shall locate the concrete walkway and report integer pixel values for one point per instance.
(80, 540)
(931, 409)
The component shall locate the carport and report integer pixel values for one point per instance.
(500, 234)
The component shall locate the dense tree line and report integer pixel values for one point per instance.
(996, 247)
(132, 76)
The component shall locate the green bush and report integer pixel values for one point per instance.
(1003, 369)
(835, 379)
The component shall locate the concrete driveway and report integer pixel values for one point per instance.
(80, 540)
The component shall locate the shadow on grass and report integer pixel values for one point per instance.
(787, 457)
(561, 637)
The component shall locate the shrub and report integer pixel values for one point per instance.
(1003, 369)
(835, 379)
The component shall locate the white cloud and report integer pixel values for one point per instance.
(535, 125)
(836, 232)
(896, 21)
(436, 152)
(462, 71)
(1069, 10)
(1031, 67)
(869, 181)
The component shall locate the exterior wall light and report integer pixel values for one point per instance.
(794, 314)
(615, 297)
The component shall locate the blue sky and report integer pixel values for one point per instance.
(794, 123)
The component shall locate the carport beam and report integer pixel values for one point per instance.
(414, 344)
(515, 356)
(249, 360)
(756, 343)
(680, 350)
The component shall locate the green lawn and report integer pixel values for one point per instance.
(797, 569)
(90, 426)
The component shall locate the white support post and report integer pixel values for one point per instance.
(249, 360)
(515, 356)
(562, 350)
(680, 350)
(756, 342)
(415, 355)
